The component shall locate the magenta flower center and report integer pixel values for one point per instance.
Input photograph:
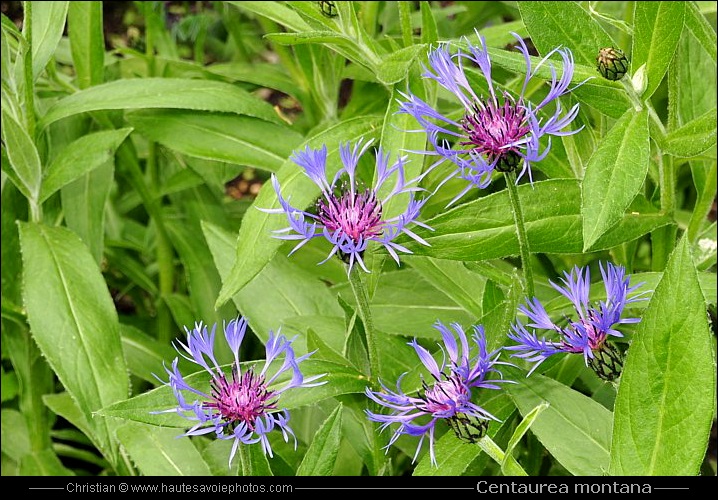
(496, 131)
(244, 399)
(596, 338)
(356, 215)
(445, 396)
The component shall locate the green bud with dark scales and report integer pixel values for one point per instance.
(508, 162)
(612, 63)
(607, 362)
(468, 428)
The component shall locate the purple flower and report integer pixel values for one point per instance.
(498, 131)
(448, 396)
(348, 214)
(244, 407)
(589, 331)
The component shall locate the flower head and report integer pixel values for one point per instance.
(348, 214)
(497, 131)
(448, 396)
(243, 407)
(589, 331)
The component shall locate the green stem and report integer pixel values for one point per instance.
(356, 279)
(27, 70)
(520, 231)
(497, 454)
(164, 253)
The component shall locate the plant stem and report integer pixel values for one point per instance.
(497, 454)
(520, 231)
(356, 279)
(164, 253)
(27, 70)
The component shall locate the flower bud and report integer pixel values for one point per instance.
(607, 362)
(468, 428)
(612, 63)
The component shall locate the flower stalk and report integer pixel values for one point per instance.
(524, 250)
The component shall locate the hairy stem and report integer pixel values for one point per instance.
(520, 232)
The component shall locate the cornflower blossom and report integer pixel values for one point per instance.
(448, 397)
(495, 132)
(245, 407)
(348, 214)
(589, 332)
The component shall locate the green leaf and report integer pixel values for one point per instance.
(429, 33)
(340, 380)
(339, 42)
(255, 246)
(83, 202)
(584, 439)
(142, 93)
(697, 23)
(484, 229)
(324, 448)
(43, 463)
(614, 175)
(158, 452)
(405, 304)
(48, 23)
(564, 24)
(23, 158)
(221, 137)
(144, 354)
(666, 397)
(203, 281)
(253, 461)
(275, 11)
(14, 433)
(693, 138)
(463, 286)
(282, 292)
(395, 66)
(63, 405)
(80, 157)
(74, 322)
(521, 429)
(657, 28)
(87, 41)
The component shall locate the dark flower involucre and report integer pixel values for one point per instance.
(347, 214)
(245, 407)
(589, 331)
(449, 396)
(496, 132)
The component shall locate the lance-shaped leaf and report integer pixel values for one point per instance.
(176, 93)
(614, 175)
(74, 322)
(484, 229)
(657, 27)
(667, 395)
(575, 429)
(158, 452)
